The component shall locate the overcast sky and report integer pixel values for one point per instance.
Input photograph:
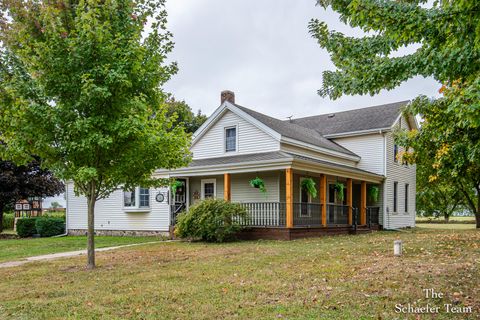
(261, 50)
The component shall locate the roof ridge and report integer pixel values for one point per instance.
(350, 110)
(281, 121)
(301, 130)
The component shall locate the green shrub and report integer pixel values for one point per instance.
(211, 220)
(8, 220)
(54, 214)
(48, 227)
(26, 227)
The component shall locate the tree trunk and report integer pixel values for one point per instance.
(446, 216)
(1, 217)
(477, 214)
(90, 234)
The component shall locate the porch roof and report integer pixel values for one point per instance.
(269, 161)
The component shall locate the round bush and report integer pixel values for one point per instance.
(48, 227)
(26, 227)
(211, 220)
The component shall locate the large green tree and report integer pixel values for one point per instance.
(81, 87)
(445, 40)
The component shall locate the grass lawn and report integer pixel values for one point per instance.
(341, 277)
(15, 249)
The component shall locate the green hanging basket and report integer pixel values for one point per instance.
(259, 184)
(176, 185)
(309, 185)
(340, 188)
(373, 192)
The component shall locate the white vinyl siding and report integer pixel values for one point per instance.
(369, 148)
(316, 155)
(110, 213)
(403, 175)
(250, 139)
(241, 191)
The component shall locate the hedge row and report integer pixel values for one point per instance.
(8, 220)
(44, 226)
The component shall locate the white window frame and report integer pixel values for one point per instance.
(137, 207)
(202, 187)
(225, 139)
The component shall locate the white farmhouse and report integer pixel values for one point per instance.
(235, 145)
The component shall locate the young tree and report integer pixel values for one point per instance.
(447, 36)
(184, 115)
(81, 87)
(21, 182)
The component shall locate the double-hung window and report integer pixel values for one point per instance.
(231, 139)
(144, 195)
(136, 198)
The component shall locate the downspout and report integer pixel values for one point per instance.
(386, 224)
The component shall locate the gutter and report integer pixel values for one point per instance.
(356, 133)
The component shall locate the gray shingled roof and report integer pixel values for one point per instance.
(254, 157)
(370, 118)
(274, 155)
(297, 132)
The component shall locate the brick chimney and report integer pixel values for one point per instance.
(227, 95)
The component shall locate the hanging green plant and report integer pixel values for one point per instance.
(259, 184)
(309, 185)
(339, 187)
(175, 185)
(373, 192)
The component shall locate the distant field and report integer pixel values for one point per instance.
(446, 226)
(452, 219)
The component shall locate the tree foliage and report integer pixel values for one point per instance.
(434, 198)
(183, 115)
(22, 181)
(81, 87)
(446, 35)
(447, 149)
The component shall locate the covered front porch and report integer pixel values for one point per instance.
(286, 210)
